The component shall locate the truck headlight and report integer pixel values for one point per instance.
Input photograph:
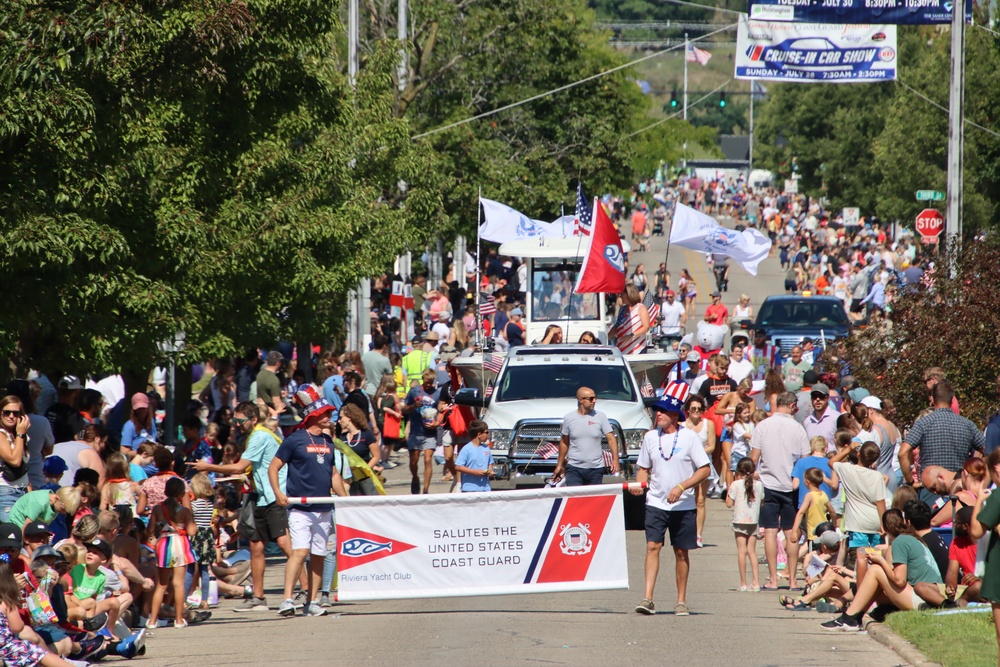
(633, 438)
(500, 438)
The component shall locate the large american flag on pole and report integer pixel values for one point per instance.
(696, 55)
(584, 216)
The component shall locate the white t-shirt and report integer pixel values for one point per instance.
(671, 458)
(863, 487)
(739, 369)
(670, 317)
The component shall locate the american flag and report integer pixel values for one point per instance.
(652, 307)
(546, 450)
(584, 216)
(628, 321)
(696, 55)
(492, 362)
(488, 306)
(608, 458)
(646, 388)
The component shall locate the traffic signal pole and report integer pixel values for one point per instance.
(684, 146)
(686, 47)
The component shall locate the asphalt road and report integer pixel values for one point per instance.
(725, 627)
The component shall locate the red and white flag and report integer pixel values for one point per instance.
(603, 267)
(696, 55)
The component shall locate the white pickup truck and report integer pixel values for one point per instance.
(524, 403)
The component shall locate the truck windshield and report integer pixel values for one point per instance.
(521, 383)
(801, 313)
(552, 293)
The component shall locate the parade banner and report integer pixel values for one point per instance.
(450, 545)
(896, 12)
(810, 52)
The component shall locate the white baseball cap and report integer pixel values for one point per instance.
(872, 402)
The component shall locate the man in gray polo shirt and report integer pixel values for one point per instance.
(580, 455)
(777, 443)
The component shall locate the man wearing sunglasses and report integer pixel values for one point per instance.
(673, 461)
(581, 456)
(269, 518)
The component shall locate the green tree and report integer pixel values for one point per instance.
(730, 119)
(470, 58)
(950, 326)
(197, 166)
(912, 151)
(829, 130)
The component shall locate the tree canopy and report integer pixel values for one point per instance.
(874, 145)
(198, 166)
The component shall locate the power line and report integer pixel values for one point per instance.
(560, 89)
(944, 108)
(678, 113)
(982, 27)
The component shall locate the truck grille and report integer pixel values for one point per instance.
(540, 441)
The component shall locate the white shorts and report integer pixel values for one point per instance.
(309, 530)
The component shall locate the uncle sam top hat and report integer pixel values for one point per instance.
(673, 399)
(311, 401)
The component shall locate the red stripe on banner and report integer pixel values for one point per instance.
(575, 539)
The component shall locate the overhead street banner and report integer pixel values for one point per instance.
(815, 52)
(857, 12)
(527, 541)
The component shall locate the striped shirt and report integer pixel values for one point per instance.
(944, 439)
(203, 511)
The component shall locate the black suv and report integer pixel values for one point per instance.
(788, 319)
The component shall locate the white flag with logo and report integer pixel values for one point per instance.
(503, 224)
(696, 231)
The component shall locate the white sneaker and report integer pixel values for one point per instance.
(313, 609)
(287, 608)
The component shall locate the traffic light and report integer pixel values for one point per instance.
(722, 100)
(673, 98)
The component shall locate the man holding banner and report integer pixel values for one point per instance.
(313, 472)
(673, 461)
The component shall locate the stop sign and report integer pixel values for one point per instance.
(930, 223)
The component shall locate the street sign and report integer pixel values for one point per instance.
(852, 216)
(930, 223)
(929, 195)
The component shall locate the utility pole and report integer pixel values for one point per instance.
(956, 112)
(352, 41)
(359, 326)
(750, 156)
(403, 69)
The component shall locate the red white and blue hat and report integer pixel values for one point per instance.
(311, 401)
(673, 398)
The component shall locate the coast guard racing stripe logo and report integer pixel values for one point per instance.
(357, 547)
(566, 548)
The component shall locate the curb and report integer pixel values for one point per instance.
(906, 650)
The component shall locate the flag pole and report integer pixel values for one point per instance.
(479, 267)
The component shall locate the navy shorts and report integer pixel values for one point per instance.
(778, 509)
(681, 524)
(583, 476)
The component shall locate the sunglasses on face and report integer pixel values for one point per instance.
(12, 413)
(240, 422)
(695, 409)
